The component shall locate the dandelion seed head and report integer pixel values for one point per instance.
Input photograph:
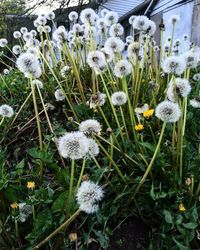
(101, 23)
(174, 19)
(73, 145)
(88, 196)
(133, 49)
(27, 36)
(191, 59)
(27, 63)
(25, 211)
(141, 23)
(6, 111)
(59, 95)
(6, 71)
(97, 99)
(151, 28)
(122, 68)
(119, 98)
(90, 33)
(178, 87)
(104, 12)
(17, 34)
(64, 71)
(131, 19)
(42, 20)
(116, 30)
(93, 149)
(111, 17)
(109, 57)
(195, 103)
(96, 59)
(60, 34)
(174, 65)
(114, 45)
(88, 15)
(196, 77)
(168, 111)
(23, 30)
(3, 42)
(77, 28)
(34, 33)
(47, 29)
(38, 83)
(90, 127)
(73, 16)
(50, 15)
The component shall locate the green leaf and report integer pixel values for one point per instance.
(10, 194)
(99, 174)
(194, 214)
(152, 193)
(181, 246)
(148, 145)
(190, 225)
(60, 203)
(168, 217)
(42, 226)
(20, 167)
(21, 164)
(179, 219)
(33, 152)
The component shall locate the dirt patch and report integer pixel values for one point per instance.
(131, 235)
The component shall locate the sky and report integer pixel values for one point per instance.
(43, 9)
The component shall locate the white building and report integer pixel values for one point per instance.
(160, 11)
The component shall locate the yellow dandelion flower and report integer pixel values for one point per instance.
(73, 237)
(139, 127)
(31, 185)
(14, 205)
(148, 113)
(181, 207)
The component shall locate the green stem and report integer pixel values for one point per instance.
(16, 229)
(1, 122)
(112, 107)
(113, 162)
(60, 228)
(70, 186)
(33, 211)
(81, 174)
(152, 160)
(38, 123)
(36, 113)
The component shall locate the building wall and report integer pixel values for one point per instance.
(195, 37)
(120, 6)
(175, 7)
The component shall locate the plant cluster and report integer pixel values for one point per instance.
(96, 128)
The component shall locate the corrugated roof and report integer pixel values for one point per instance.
(122, 7)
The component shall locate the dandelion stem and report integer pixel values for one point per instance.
(38, 123)
(70, 186)
(113, 162)
(60, 228)
(1, 122)
(81, 174)
(152, 160)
